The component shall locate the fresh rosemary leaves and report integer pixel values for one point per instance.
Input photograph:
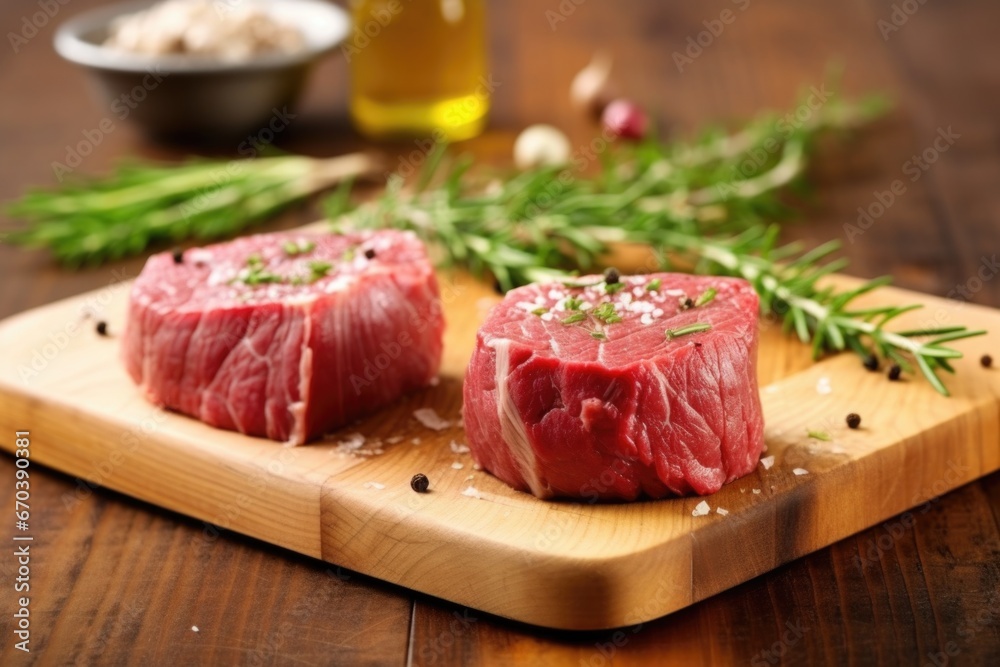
(688, 201)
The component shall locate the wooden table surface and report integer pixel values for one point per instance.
(115, 581)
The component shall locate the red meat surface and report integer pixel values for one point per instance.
(617, 411)
(285, 335)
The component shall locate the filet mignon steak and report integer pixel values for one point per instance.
(285, 335)
(646, 386)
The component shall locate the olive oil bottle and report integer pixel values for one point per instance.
(418, 67)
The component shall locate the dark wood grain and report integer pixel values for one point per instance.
(119, 582)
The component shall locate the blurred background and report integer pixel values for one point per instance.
(686, 64)
(666, 59)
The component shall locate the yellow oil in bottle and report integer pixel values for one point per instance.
(418, 67)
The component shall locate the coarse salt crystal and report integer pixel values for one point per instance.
(374, 485)
(800, 471)
(194, 628)
(458, 448)
(430, 418)
(756, 492)
(767, 462)
(457, 466)
(646, 319)
(701, 509)
(823, 385)
(394, 439)
(721, 511)
(471, 492)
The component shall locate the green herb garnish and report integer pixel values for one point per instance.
(697, 327)
(318, 270)
(606, 313)
(91, 221)
(574, 318)
(654, 285)
(598, 335)
(820, 435)
(614, 288)
(705, 297)
(539, 311)
(292, 249)
(573, 303)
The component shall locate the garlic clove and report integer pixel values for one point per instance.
(540, 146)
(592, 88)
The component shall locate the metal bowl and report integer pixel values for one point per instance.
(195, 97)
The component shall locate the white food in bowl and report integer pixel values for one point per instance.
(204, 28)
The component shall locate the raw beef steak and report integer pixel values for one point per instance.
(643, 387)
(285, 335)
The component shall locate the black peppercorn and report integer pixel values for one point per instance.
(611, 276)
(102, 328)
(178, 255)
(854, 420)
(687, 303)
(420, 483)
(370, 253)
(986, 361)
(894, 372)
(871, 362)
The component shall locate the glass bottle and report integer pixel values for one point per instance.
(418, 67)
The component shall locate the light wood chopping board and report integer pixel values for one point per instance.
(557, 564)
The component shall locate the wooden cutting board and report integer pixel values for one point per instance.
(557, 564)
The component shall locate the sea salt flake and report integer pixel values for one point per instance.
(457, 466)
(374, 485)
(721, 511)
(194, 628)
(767, 462)
(823, 385)
(701, 509)
(430, 418)
(471, 492)
(756, 492)
(646, 319)
(458, 448)
(800, 471)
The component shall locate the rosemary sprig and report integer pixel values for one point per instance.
(93, 221)
(687, 199)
